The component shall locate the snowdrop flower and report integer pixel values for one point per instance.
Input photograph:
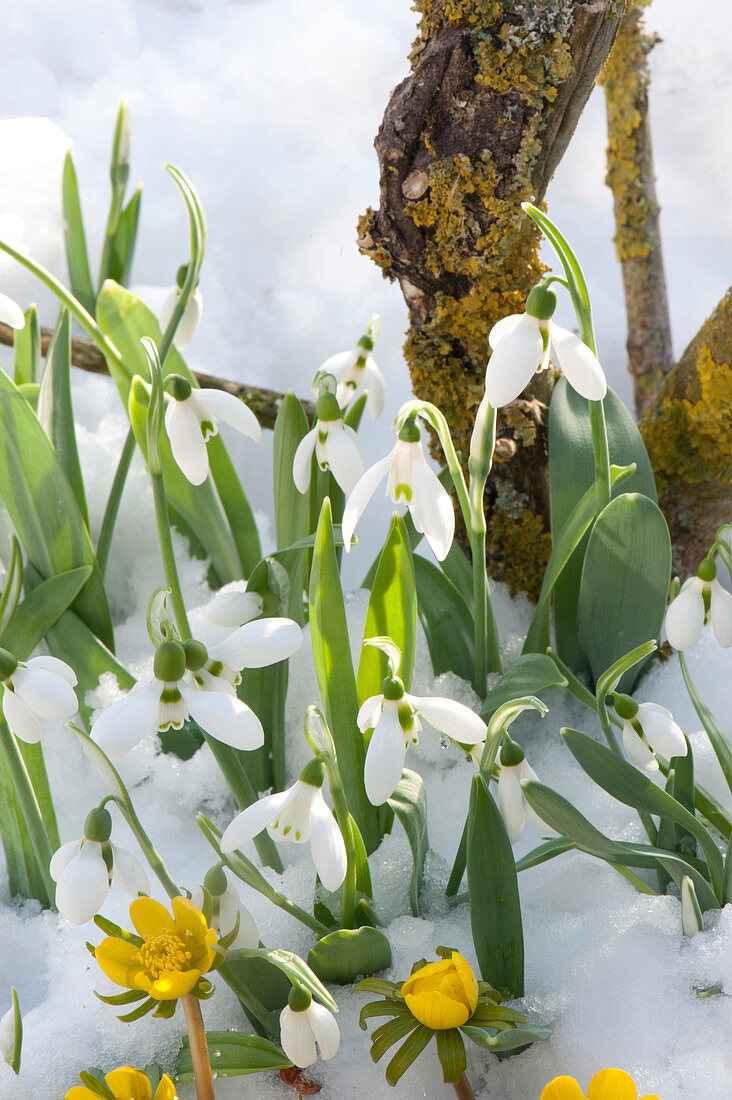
(649, 728)
(394, 717)
(11, 231)
(520, 346)
(700, 597)
(512, 803)
(10, 1038)
(226, 907)
(84, 868)
(303, 1023)
(191, 418)
(253, 645)
(410, 481)
(337, 448)
(356, 371)
(166, 699)
(190, 320)
(42, 687)
(298, 814)
(232, 606)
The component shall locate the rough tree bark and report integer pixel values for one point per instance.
(631, 178)
(495, 92)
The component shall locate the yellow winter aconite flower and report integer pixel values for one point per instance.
(168, 956)
(442, 994)
(127, 1083)
(608, 1084)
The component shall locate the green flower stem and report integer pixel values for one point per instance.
(150, 852)
(343, 817)
(170, 567)
(601, 453)
(28, 803)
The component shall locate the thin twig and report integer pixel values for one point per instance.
(87, 356)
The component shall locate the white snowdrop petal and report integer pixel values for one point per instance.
(119, 728)
(7, 1034)
(52, 664)
(454, 719)
(63, 856)
(128, 873)
(637, 749)
(46, 693)
(11, 313)
(229, 908)
(258, 644)
(514, 362)
(83, 887)
(384, 757)
(431, 508)
(511, 802)
(302, 463)
(504, 328)
(325, 1029)
(685, 615)
(232, 410)
(21, 719)
(720, 613)
(376, 387)
(252, 821)
(340, 363)
(527, 772)
(296, 1038)
(662, 733)
(344, 454)
(224, 717)
(580, 366)
(369, 711)
(189, 322)
(361, 495)
(326, 844)
(186, 440)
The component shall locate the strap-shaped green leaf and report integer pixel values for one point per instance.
(409, 803)
(392, 613)
(720, 744)
(38, 612)
(495, 908)
(124, 240)
(530, 674)
(332, 658)
(43, 509)
(410, 1049)
(637, 789)
(55, 410)
(77, 258)
(27, 350)
(292, 508)
(572, 473)
(446, 620)
(233, 1054)
(625, 579)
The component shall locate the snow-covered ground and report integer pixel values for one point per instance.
(271, 107)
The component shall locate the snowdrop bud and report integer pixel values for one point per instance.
(11, 1033)
(692, 920)
(170, 662)
(317, 733)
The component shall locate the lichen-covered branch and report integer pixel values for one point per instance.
(688, 433)
(86, 355)
(631, 178)
(495, 92)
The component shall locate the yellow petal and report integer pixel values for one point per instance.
(435, 1010)
(562, 1088)
(166, 1089)
(174, 984)
(612, 1084)
(118, 959)
(129, 1084)
(190, 924)
(150, 918)
(80, 1092)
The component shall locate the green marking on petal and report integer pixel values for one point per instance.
(403, 492)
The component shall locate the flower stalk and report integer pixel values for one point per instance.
(199, 1048)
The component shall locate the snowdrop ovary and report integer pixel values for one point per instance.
(701, 598)
(520, 344)
(648, 728)
(303, 1023)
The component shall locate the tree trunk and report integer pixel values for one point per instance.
(478, 127)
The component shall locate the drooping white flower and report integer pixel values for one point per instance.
(42, 687)
(253, 645)
(190, 320)
(356, 371)
(303, 1023)
(232, 606)
(513, 805)
(700, 597)
(298, 814)
(410, 481)
(227, 907)
(520, 344)
(336, 446)
(166, 699)
(394, 718)
(191, 418)
(11, 231)
(83, 875)
(649, 728)
(7, 1035)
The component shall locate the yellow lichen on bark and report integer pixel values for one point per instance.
(523, 545)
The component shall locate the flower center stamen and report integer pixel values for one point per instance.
(164, 953)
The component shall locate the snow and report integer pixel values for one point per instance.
(271, 107)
